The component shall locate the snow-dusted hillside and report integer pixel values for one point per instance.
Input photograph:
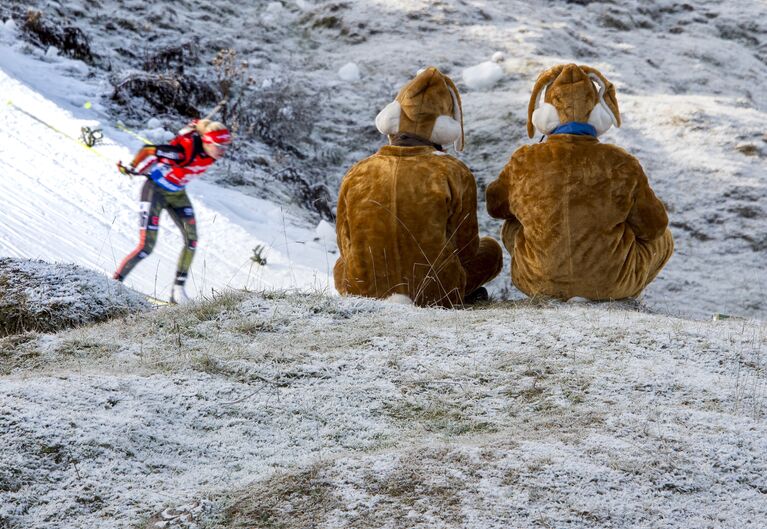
(688, 78)
(303, 410)
(275, 409)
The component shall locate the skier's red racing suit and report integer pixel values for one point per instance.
(172, 166)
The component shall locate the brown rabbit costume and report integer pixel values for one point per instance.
(580, 217)
(407, 216)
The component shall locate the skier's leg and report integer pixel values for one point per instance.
(182, 213)
(149, 222)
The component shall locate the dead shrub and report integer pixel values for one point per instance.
(290, 500)
(233, 81)
(329, 17)
(276, 112)
(172, 58)
(70, 40)
(313, 196)
(164, 92)
(284, 116)
(616, 20)
(14, 316)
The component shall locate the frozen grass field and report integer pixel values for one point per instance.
(288, 407)
(297, 410)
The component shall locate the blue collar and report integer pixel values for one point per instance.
(575, 127)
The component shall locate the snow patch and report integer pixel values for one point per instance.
(349, 72)
(326, 232)
(274, 14)
(483, 75)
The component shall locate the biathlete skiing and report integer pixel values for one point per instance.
(168, 169)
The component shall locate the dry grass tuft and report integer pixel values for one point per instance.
(285, 501)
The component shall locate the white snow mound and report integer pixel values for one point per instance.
(349, 72)
(482, 76)
(35, 295)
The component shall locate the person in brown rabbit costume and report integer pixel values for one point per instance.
(407, 216)
(580, 217)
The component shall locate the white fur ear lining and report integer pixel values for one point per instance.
(600, 119)
(446, 131)
(387, 120)
(546, 118)
(458, 117)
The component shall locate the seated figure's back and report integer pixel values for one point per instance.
(407, 216)
(580, 216)
(580, 231)
(403, 235)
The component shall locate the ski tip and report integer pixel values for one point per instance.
(718, 316)
(156, 301)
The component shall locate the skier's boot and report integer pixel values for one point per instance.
(178, 295)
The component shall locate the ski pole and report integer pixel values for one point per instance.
(120, 125)
(54, 129)
(216, 109)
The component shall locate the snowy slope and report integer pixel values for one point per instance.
(63, 202)
(688, 77)
(302, 410)
(310, 411)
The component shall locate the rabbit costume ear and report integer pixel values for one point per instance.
(607, 98)
(546, 118)
(450, 128)
(429, 106)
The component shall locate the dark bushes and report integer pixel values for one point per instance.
(172, 58)
(283, 116)
(165, 85)
(274, 111)
(314, 197)
(70, 40)
(164, 92)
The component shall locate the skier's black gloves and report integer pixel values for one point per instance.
(124, 170)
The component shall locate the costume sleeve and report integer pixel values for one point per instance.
(343, 237)
(648, 217)
(497, 199)
(462, 225)
(498, 192)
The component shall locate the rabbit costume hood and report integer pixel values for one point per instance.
(572, 94)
